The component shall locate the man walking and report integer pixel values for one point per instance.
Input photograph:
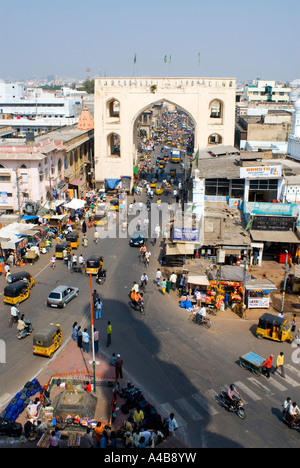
(108, 339)
(173, 279)
(96, 236)
(267, 366)
(280, 364)
(158, 277)
(118, 367)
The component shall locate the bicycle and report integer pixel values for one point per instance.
(211, 310)
(206, 322)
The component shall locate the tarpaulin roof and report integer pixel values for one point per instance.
(112, 183)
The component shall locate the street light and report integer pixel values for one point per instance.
(93, 343)
(284, 282)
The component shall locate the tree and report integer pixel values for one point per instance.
(88, 86)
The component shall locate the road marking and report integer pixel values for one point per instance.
(256, 382)
(292, 382)
(247, 390)
(204, 404)
(277, 385)
(189, 409)
(292, 369)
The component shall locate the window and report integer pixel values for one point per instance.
(237, 188)
(5, 178)
(217, 187)
(214, 139)
(215, 109)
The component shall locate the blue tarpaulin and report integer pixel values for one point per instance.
(112, 183)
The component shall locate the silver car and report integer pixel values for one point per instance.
(61, 295)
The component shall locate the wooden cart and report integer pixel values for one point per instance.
(252, 362)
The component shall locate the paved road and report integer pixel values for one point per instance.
(180, 366)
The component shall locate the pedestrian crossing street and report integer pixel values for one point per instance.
(255, 388)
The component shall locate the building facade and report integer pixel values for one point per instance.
(209, 102)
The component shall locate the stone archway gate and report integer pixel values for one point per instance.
(120, 101)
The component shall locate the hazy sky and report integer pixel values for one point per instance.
(239, 39)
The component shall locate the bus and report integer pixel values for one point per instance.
(176, 156)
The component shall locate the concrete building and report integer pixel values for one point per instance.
(266, 91)
(35, 102)
(294, 137)
(209, 102)
(45, 167)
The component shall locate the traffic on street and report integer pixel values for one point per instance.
(114, 243)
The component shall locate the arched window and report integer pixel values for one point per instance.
(216, 109)
(113, 109)
(59, 166)
(113, 143)
(214, 139)
(71, 158)
(66, 162)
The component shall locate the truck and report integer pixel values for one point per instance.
(175, 156)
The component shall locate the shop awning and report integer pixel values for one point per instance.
(260, 284)
(285, 237)
(77, 182)
(180, 249)
(200, 280)
(75, 204)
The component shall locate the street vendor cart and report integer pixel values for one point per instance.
(252, 362)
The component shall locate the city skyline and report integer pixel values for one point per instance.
(166, 38)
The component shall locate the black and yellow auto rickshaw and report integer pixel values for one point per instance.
(100, 219)
(274, 328)
(173, 172)
(16, 292)
(94, 264)
(47, 340)
(21, 276)
(61, 247)
(73, 238)
(114, 204)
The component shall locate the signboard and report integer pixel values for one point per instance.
(260, 171)
(258, 302)
(186, 235)
(3, 198)
(273, 223)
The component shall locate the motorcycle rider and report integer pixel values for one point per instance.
(232, 391)
(136, 298)
(22, 324)
(14, 312)
(293, 413)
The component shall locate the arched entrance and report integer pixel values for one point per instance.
(210, 103)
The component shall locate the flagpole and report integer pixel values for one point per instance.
(93, 341)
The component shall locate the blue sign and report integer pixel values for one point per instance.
(186, 235)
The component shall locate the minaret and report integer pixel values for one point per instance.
(296, 119)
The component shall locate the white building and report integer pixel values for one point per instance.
(294, 138)
(35, 102)
(266, 91)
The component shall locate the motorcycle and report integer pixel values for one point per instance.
(286, 420)
(138, 306)
(26, 331)
(236, 407)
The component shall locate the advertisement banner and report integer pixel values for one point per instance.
(186, 235)
(260, 171)
(258, 302)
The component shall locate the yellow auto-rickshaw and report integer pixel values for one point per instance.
(20, 276)
(158, 189)
(100, 219)
(153, 182)
(59, 249)
(274, 328)
(94, 264)
(73, 238)
(114, 204)
(47, 340)
(16, 292)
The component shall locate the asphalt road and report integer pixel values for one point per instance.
(180, 366)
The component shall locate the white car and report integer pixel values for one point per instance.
(61, 295)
